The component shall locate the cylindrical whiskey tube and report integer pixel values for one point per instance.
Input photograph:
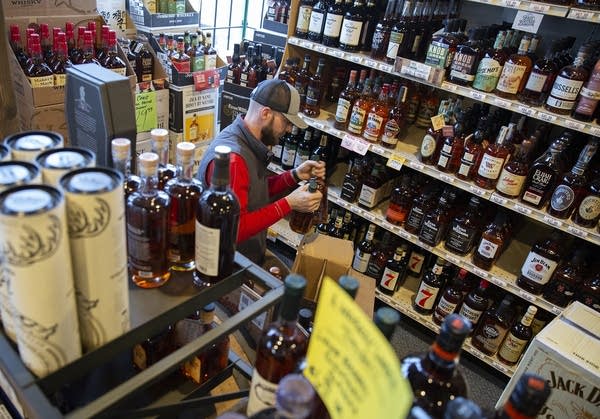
(27, 145)
(13, 173)
(37, 261)
(4, 153)
(56, 162)
(96, 220)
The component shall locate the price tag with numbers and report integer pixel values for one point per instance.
(498, 199)
(552, 221)
(369, 216)
(370, 63)
(307, 44)
(446, 178)
(481, 273)
(404, 234)
(515, 4)
(478, 191)
(386, 68)
(417, 166)
(356, 58)
(556, 310)
(395, 162)
(547, 117)
(595, 131)
(501, 283)
(318, 125)
(423, 245)
(537, 7)
(522, 209)
(378, 150)
(451, 258)
(449, 86)
(338, 53)
(575, 125)
(502, 103)
(526, 295)
(581, 14)
(415, 69)
(477, 95)
(526, 110)
(321, 49)
(577, 231)
(293, 41)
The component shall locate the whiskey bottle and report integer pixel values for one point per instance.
(317, 21)
(363, 251)
(113, 61)
(38, 73)
(452, 146)
(337, 229)
(377, 116)
(290, 146)
(515, 72)
(234, 69)
(314, 92)
(371, 14)
(540, 263)
(543, 174)
(302, 80)
(400, 202)
(491, 243)
(513, 175)
(210, 54)
(567, 84)
(17, 46)
(431, 146)
(102, 52)
(399, 31)
(394, 273)
(492, 162)
(517, 338)
(493, 327)
(301, 222)
(571, 187)
(372, 188)
(196, 54)
(451, 298)
(303, 150)
(490, 67)
(422, 204)
(303, 22)
(144, 62)
(382, 252)
(349, 227)
(352, 183)
(464, 229)
(333, 24)
(434, 377)
(588, 292)
(62, 61)
(417, 259)
(396, 125)
(217, 220)
(320, 154)
(184, 191)
(381, 36)
(435, 223)
(147, 215)
(527, 399)
(541, 79)
(160, 146)
(279, 349)
(464, 63)
(358, 115)
(443, 46)
(566, 279)
(431, 284)
(154, 348)
(352, 26)
(475, 303)
(587, 211)
(346, 102)
(180, 60)
(121, 158)
(587, 102)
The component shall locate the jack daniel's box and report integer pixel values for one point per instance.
(567, 354)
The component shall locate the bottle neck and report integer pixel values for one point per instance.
(148, 182)
(122, 165)
(524, 45)
(162, 149)
(184, 168)
(220, 177)
(527, 319)
(440, 362)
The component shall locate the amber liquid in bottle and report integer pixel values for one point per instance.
(513, 175)
(568, 84)
(430, 286)
(492, 162)
(540, 80)
(184, 191)
(345, 103)
(160, 146)
(589, 96)
(396, 126)
(491, 243)
(515, 72)
(493, 327)
(587, 211)
(540, 263)
(394, 273)
(180, 60)
(377, 116)
(475, 304)
(451, 298)
(490, 67)
(435, 223)
(358, 115)
(301, 222)
(565, 281)
(400, 202)
(147, 214)
(314, 92)
(517, 339)
(464, 228)
(352, 27)
(362, 255)
(217, 220)
(472, 151)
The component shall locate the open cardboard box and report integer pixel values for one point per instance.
(144, 18)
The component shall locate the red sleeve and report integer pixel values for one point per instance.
(281, 182)
(256, 221)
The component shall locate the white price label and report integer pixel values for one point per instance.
(338, 53)
(500, 282)
(336, 133)
(369, 216)
(575, 125)
(306, 44)
(446, 178)
(522, 209)
(417, 166)
(386, 68)
(552, 221)
(499, 366)
(595, 131)
(415, 69)
(318, 125)
(547, 117)
(294, 41)
(477, 190)
(498, 199)
(356, 58)
(581, 14)
(370, 63)
(449, 86)
(361, 146)
(515, 4)
(404, 234)
(348, 142)
(502, 103)
(395, 162)
(526, 295)
(478, 354)
(451, 258)
(481, 273)
(556, 310)
(378, 150)
(321, 49)
(477, 95)
(526, 110)
(537, 7)
(577, 231)
(423, 245)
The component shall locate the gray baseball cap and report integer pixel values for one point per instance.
(281, 97)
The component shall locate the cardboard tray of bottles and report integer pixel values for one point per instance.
(147, 21)
(103, 381)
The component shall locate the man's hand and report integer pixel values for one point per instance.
(304, 201)
(311, 168)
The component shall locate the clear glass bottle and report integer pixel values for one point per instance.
(147, 215)
(346, 102)
(160, 146)
(490, 66)
(121, 161)
(541, 79)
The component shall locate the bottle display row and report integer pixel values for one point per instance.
(252, 63)
(190, 51)
(278, 11)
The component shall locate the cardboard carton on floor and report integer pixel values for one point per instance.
(567, 354)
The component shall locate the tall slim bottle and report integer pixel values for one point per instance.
(517, 338)
(364, 250)
(492, 162)
(430, 287)
(147, 214)
(160, 146)
(121, 155)
(333, 24)
(184, 191)
(490, 67)
(346, 102)
(589, 96)
(279, 349)
(303, 21)
(381, 37)
(217, 220)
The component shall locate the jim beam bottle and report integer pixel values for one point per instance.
(540, 263)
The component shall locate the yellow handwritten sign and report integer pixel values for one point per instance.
(145, 111)
(351, 364)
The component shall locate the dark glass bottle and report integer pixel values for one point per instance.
(588, 292)
(490, 67)
(571, 187)
(372, 188)
(303, 149)
(540, 263)
(527, 399)
(394, 273)
(217, 220)
(417, 260)
(434, 377)
(493, 327)
(472, 151)
(345, 102)
(398, 31)
(379, 257)
(492, 161)
(352, 183)
(290, 146)
(431, 285)
(400, 202)
(112, 60)
(589, 96)
(451, 298)
(475, 304)
(280, 348)
(303, 21)
(17, 46)
(362, 255)
(314, 92)
(144, 62)
(234, 69)
(435, 223)
(61, 62)
(396, 126)
(491, 244)
(517, 338)
(153, 349)
(566, 279)
(352, 26)
(587, 211)
(465, 60)
(38, 72)
(464, 228)
(121, 158)
(541, 79)
(317, 21)
(337, 229)
(381, 36)
(422, 204)
(302, 80)
(333, 24)
(452, 146)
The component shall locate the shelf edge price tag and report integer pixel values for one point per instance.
(595, 131)
(477, 95)
(498, 199)
(522, 209)
(321, 49)
(575, 125)
(370, 63)
(501, 283)
(477, 190)
(446, 178)
(515, 4)
(581, 14)
(356, 58)
(318, 125)
(536, 7)
(395, 162)
(451, 258)
(577, 231)
(552, 221)
(416, 165)
(449, 86)
(526, 295)
(293, 41)
(415, 69)
(386, 67)
(526, 110)
(481, 272)
(361, 146)
(347, 142)
(307, 44)
(338, 53)
(547, 117)
(556, 310)
(502, 103)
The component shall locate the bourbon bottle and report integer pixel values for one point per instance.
(333, 24)
(400, 202)
(301, 222)
(451, 298)
(517, 338)
(302, 79)
(541, 79)
(472, 151)
(381, 36)
(345, 103)
(430, 287)
(491, 243)
(314, 92)
(180, 60)
(113, 61)
(121, 157)
(160, 146)
(88, 55)
(464, 228)
(566, 279)
(493, 327)
(513, 175)
(61, 62)
(587, 211)
(394, 273)
(492, 162)
(362, 105)
(540, 263)
(490, 67)
(377, 116)
(587, 102)
(362, 255)
(435, 223)
(567, 84)
(352, 27)
(38, 73)
(422, 204)
(515, 72)
(396, 125)
(475, 304)
(588, 292)
(147, 215)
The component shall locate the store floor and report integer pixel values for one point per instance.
(485, 383)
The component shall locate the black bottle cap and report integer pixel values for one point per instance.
(305, 316)
(461, 408)
(349, 284)
(294, 290)
(530, 394)
(295, 285)
(312, 185)
(453, 333)
(386, 319)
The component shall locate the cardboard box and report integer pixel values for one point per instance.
(319, 256)
(234, 101)
(144, 19)
(14, 8)
(567, 354)
(46, 118)
(192, 113)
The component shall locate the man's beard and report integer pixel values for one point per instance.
(268, 136)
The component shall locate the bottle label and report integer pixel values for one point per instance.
(333, 25)
(510, 78)
(589, 208)
(540, 181)
(43, 81)
(396, 39)
(210, 61)
(389, 279)
(490, 167)
(430, 233)
(182, 66)
(487, 249)
(437, 54)
(415, 218)
(470, 314)
(445, 155)
(122, 71)
(510, 184)
(361, 261)
(192, 368)
(316, 22)
(566, 89)
(301, 88)
(262, 394)
(208, 244)
(312, 95)
(193, 132)
(586, 106)
(426, 296)
(462, 66)
(562, 198)
(415, 263)
(466, 162)
(487, 75)
(139, 250)
(560, 103)
(303, 19)
(512, 348)
(357, 119)
(536, 82)
(538, 268)
(373, 127)
(444, 308)
(490, 337)
(589, 93)
(301, 157)
(368, 196)
(277, 149)
(288, 156)
(349, 190)
(229, 76)
(374, 270)
(342, 111)
(390, 133)
(350, 32)
(460, 239)
(59, 79)
(428, 146)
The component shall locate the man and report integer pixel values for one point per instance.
(274, 106)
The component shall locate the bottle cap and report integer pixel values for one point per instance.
(453, 332)
(305, 316)
(530, 394)
(207, 315)
(349, 284)
(532, 310)
(312, 185)
(185, 151)
(160, 136)
(44, 30)
(88, 38)
(386, 319)
(294, 397)
(148, 163)
(295, 285)
(120, 148)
